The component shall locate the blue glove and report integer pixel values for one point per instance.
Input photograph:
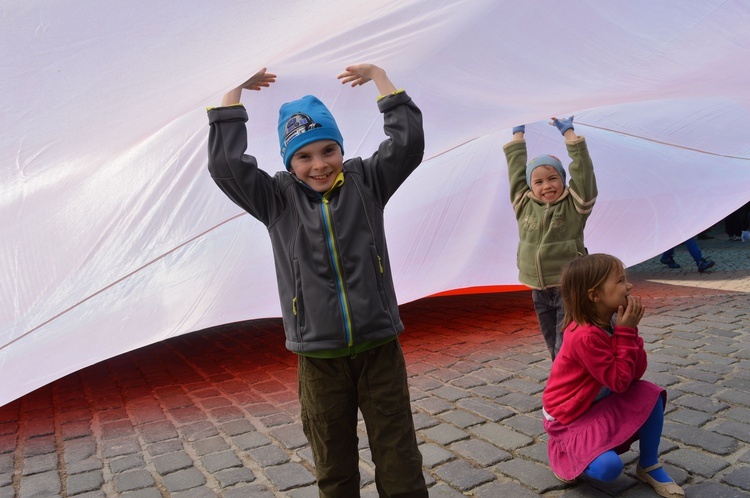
(563, 124)
(521, 128)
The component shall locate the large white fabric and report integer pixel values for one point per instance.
(114, 236)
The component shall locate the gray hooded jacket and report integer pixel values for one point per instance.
(332, 266)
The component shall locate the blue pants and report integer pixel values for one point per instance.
(692, 247)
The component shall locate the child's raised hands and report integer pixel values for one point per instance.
(261, 79)
(631, 315)
(563, 124)
(359, 74)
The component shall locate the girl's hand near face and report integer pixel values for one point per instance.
(631, 315)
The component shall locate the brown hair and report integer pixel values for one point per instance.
(579, 276)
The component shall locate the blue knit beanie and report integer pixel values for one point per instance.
(545, 160)
(305, 121)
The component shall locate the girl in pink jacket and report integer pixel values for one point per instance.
(595, 404)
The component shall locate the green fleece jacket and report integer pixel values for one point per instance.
(550, 234)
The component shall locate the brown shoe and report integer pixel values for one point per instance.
(566, 481)
(666, 489)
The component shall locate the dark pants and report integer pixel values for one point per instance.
(550, 312)
(330, 391)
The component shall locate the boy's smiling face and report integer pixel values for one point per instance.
(546, 183)
(317, 164)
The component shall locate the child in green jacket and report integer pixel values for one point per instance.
(551, 217)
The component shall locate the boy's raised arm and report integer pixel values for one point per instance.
(359, 74)
(565, 125)
(261, 79)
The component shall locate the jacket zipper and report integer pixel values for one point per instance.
(337, 271)
(539, 247)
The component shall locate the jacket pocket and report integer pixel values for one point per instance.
(377, 264)
(298, 306)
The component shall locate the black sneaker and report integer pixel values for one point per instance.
(704, 264)
(670, 262)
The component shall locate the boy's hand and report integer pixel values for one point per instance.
(563, 124)
(259, 80)
(519, 129)
(359, 74)
(631, 315)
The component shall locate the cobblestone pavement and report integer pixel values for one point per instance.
(215, 413)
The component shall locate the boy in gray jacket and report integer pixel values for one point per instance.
(325, 219)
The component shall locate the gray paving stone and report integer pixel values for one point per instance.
(199, 492)
(700, 403)
(84, 466)
(695, 462)
(183, 480)
(689, 417)
(237, 427)
(714, 490)
(739, 478)
(289, 475)
(434, 455)
(490, 392)
(460, 418)
(82, 483)
(739, 414)
(220, 461)
(479, 452)
(172, 462)
(165, 447)
(198, 430)
(468, 382)
(485, 408)
(7, 463)
(291, 437)
(521, 402)
(39, 463)
(698, 388)
(424, 421)
(734, 397)
(502, 489)
(502, 437)
(538, 477)
(251, 440)
(233, 476)
(37, 485)
(450, 393)
(133, 480)
(734, 429)
(257, 491)
(524, 386)
(210, 445)
(715, 443)
(525, 424)
(39, 446)
(444, 434)
(158, 431)
(269, 455)
(443, 491)
(117, 447)
(128, 462)
(463, 476)
(434, 406)
(536, 451)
